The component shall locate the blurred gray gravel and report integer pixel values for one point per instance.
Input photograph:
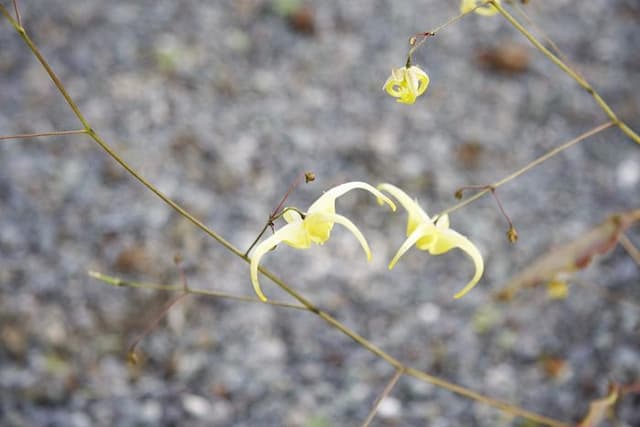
(221, 105)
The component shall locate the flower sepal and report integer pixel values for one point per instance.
(433, 236)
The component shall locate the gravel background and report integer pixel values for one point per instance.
(221, 105)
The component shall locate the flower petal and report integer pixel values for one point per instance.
(421, 231)
(467, 5)
(449, 239)
(416, 214)
(346, 222)
(395, 83)
(421, 79)
(394, 89)
(418, 80)
(442, 223)
(326, 202)
(292, 234)
(291, 216)
(485, 10)
(408, 97)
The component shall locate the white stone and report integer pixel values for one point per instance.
(390, 407)
(197, 406)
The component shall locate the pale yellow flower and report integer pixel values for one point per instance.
(485, 10)
(433, 237)
(314, 226)
(407, 83)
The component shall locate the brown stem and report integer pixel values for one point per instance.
(529, 166)
(308, 177)
(392, 382)
(259, 236)
(564, 67)
(115, 281)
(305, 302)
(41, 134)
(15, 7)
(154, 322)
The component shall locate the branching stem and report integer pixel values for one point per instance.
(306, 304)
(528, 167)
(276, 212)
(387, 390)
(570, 72)
(17, 9)
(117, 282)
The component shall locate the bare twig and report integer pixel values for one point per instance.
(512, 234)
(18, 17)
(154, 322)
(41, 134)
(392, 382)
(529, 166)
(546, 37)
(569, 71)
(308, 177)
(415, 43)
(115, 281)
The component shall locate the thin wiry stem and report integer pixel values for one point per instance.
(154, 322)
(268, 224)
(165, 310)
(363, 342)
(106, 147)
(20, 29)
(554, 46)
(512, 234)
(425, 35)
(564, 67)
(529, 166)
(276, 211)
(553, 152)
(506, 407)
(631, 249)
(41, 134)
(18, 17)
(115, 281)
(392, 382)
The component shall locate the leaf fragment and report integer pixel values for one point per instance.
(598, 409)
(558, 263)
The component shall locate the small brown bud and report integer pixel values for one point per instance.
(132, 357)
(512, 234)
(504, 295)
(309, 177)
(458, 193)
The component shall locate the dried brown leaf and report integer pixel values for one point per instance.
(573, 256)
(599, 408)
